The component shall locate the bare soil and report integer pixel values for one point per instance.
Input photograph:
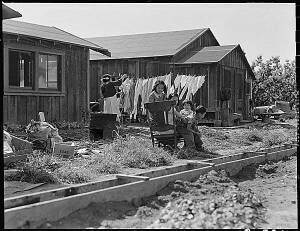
(263, 196)
(275, 184)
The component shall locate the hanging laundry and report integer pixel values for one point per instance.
(190, 86)
(144, 93)
(172, 90)
(194, 87)
(125, 87)
(177, 81)
(168, 82)
(137, 92)
(186, 85)
(183, 81)
(131, 98)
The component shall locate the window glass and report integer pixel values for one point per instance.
(49, 71)
(52, 71)
(20, 68)
(42, 71)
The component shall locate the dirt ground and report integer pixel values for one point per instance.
(275, 184)
(269, 194)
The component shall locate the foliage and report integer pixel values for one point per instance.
(127, 152)
(274, 80)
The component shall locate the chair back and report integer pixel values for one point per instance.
(161, 115)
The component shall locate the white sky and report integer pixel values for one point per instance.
(266, 29)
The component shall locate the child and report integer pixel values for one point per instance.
(200, 113)
(158, 92)
(187, 113)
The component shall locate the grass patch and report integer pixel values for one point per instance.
(38, 169)
(275, 138)
(137, 152)
(123, 152)
(213, 133)
(254, 135)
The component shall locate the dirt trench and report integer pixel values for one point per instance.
(259, 196)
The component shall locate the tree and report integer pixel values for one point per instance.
(274, 81)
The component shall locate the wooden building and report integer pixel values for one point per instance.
(45, 69)
(179, 52)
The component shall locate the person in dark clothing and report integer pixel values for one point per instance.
(109, 92)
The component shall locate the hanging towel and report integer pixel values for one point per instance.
(183, 81)
(177, 81)
(187, 84)
(191, 83)
(131, 98)
(194, 86)
(137, 92)
(144, 93)
(168, 83)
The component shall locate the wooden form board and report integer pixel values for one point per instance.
(35, 214)
(114, 181)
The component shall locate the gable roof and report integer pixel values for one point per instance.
(146, 45)
(214, 54)
(49, 33)
(211, 54)
(8, 12)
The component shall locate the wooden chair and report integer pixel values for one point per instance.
(161, 120)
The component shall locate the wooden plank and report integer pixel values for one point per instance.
(14, 158)
(198, 162)
(131, 178)
(29, 109)
(5, 109)
(14, 109)
(86, 187)
(20, 144)
(35, 214)
(233, 167)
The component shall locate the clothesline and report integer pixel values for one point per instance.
(184, 85)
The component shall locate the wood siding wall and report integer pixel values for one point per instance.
(234, 63)
(206, 39)
(71, 105)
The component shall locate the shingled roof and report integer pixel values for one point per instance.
(49, 33)
(146, 45)
(8, 12)
(214, 54)
(211, 54)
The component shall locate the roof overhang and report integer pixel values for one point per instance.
(8, 13)
(102, 51)
(95, 48)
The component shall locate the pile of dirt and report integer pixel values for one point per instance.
(213, 201)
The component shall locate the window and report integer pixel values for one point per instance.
(49, 71)
(21, 68)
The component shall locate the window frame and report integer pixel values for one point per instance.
(58, 84)
(32, 56)
(35, 90)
